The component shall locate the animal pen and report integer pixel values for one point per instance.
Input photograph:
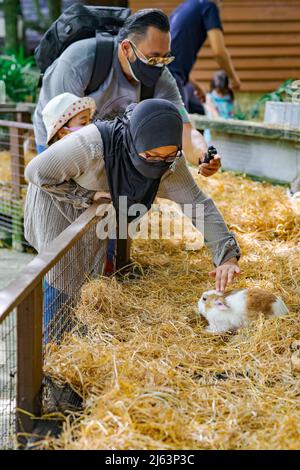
(21, 329)
(75, 257)
(138, 355)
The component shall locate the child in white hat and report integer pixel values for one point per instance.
(67, 113)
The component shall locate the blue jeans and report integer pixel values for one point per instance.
(40, 148)
(53, 300)
(110, 257)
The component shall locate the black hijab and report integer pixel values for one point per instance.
(150, 124)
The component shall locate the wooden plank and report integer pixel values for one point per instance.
(261, 35)
(237, 11)
(246, 12)
(29, 360)
(235, 51)
(256, 86)
(260, 75)
(257, 3)
(267, 39)
(253, 63)
(16, 125)
(255, 27)
(123, 253)
(17, 160)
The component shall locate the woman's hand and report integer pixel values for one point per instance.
(224, 273)
(99, 195)
(209, 169)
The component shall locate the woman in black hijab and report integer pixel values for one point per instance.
(139, 148)
(133, 156)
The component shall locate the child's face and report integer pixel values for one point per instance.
(81, 119)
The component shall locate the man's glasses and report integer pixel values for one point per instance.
(168, 158)
(155, 61)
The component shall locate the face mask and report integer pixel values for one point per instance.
(144, 73)
(151, 170)
(73, 129)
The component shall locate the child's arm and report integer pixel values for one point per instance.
(211, 110)
(55, 169)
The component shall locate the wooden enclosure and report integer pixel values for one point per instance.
(263, 38)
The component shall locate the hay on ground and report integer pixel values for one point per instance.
(152, 378)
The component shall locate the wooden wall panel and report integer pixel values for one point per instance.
(262, 36)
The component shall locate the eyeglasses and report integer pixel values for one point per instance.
(155, 61)
(168, 158)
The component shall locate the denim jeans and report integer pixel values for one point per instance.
(40, 148)
(53, 300)
(110, 256)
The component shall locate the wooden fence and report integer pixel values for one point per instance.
(262, 36)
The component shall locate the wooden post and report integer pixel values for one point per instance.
(18, 181)
(123, 254)
(29, 360)
(17, 160)
(123, 251)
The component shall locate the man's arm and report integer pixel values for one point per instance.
(222, 56)
(194, 144)
(195, 149)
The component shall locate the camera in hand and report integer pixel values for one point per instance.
(211, 152)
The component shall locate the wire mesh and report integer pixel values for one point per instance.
(61, 286)
(82, 261)
(17, 148)
(8, 370)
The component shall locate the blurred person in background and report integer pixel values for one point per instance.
(220, 100)
(191, 24)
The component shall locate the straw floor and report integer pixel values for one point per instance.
(5, 164)
(152, 378)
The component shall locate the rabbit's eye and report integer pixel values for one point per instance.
(204, 298)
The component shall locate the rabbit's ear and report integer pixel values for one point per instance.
(221, 305)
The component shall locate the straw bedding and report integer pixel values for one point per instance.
(5, 164)
(152, 378)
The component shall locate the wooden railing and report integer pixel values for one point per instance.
(24, 300)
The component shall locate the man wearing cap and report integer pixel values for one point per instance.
(141, 56)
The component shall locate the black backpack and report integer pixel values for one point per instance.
(81, 22)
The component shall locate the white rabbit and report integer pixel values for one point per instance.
(235, 309)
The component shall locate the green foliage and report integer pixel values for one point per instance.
(278, 95)
(21, 80)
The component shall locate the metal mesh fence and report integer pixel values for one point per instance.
(17, 148)
(61, 285)
(77, 263)
(8, 369)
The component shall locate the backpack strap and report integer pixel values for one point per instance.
(147, 92)
(103, 60)
(103, 63)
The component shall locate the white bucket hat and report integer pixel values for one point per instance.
(62, 108)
